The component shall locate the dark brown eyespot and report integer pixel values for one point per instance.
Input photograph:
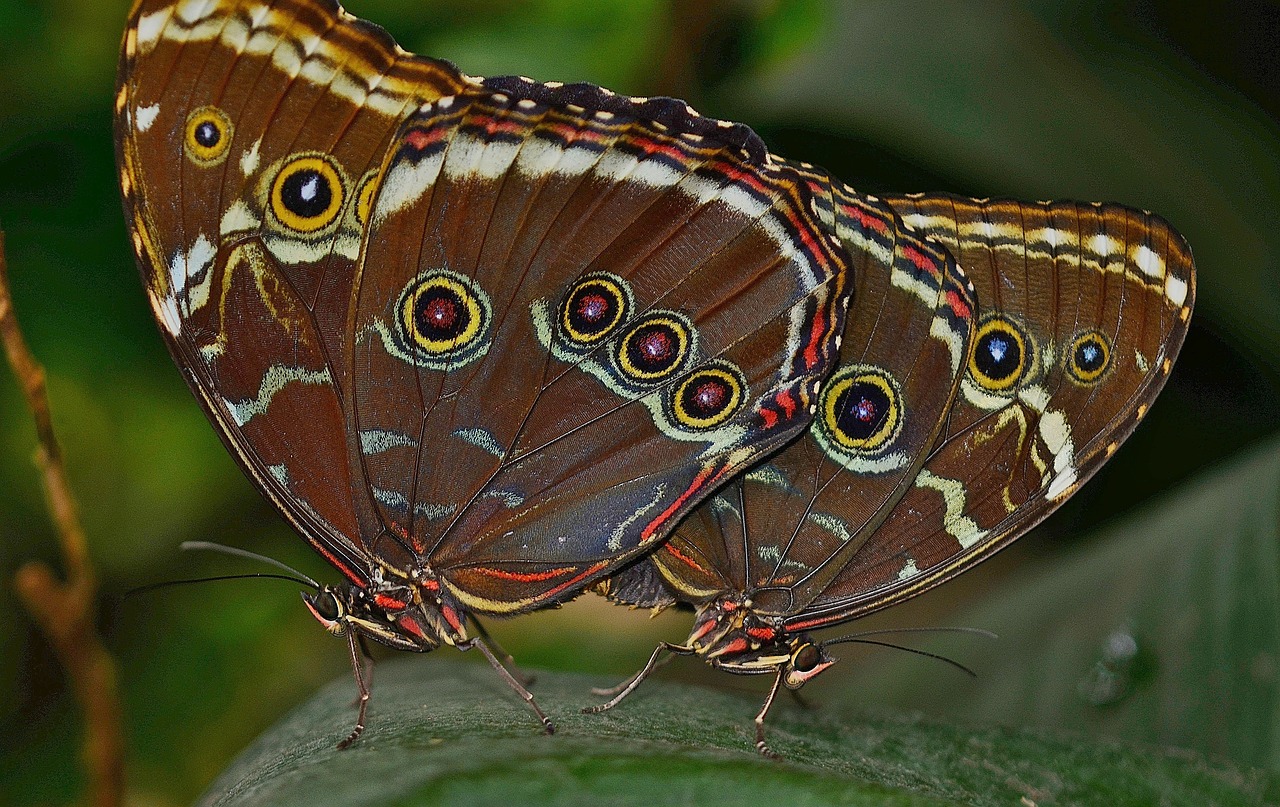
(443, 320)
(594, 308)
(861, 409)
(655, 348)
(709, 396)
(207, 136)
(307, 193)
(1088, 357)
(1001, 354)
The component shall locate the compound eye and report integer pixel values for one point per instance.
(208, 136)
(307, 194)
(326, 605)
(1089, 357)
(1000, 354)
(806, 658)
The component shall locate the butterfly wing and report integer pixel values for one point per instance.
(573, 322)
(246, 137)
(1083, 308)
(784, 530)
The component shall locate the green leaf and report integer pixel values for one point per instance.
(443, 732)
(1162, 628)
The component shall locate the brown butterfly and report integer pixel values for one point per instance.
(916, 469)
(480, 342)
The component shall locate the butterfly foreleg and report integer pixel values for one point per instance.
(662, 654)
(508, 661)
(761, 745)
(511, 680)
(359, 655)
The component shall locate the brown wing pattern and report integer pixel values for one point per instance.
(226, 111)
(786, 529)
(1082, 310)
(571, 325)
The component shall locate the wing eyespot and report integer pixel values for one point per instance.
(207, 136)
(1088, 357)
(593, 310)
(307, 193)
(655, 348)
(861, 410)
(708, 397)
(442, 320)
(1001, 355)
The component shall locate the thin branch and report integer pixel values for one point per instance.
(65, 611)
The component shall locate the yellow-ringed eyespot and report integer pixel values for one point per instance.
(709, 396)
(594, 308)
(443, 319)
(861, 409)
(655, 347)
(207, 136)
(307, 193)
(1088, 357)
(1001, 354)
(364, 197)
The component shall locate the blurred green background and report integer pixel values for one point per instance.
(1148, 102)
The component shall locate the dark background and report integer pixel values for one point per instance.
(1151, 103)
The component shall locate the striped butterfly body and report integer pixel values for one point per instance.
(481, 342)
(915, 469)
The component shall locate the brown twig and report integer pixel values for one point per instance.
(65, 611)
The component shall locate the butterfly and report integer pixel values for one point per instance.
(1063, 321)
(480, 342)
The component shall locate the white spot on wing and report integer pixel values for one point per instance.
(376, 441)
(1176, 290)
(480, 438)
(1148, 261)
(146, 116)
(249, 160)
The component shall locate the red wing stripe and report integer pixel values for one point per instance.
(524, 577)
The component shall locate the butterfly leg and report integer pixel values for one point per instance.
(358, 654)
(508, 661)
(511, 680)
(761, 745)
(366, 664)
(662, 654)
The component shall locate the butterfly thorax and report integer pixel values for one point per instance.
(731, 635)
(404, 615)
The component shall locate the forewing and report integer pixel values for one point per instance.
(244, 131)
(575, 320)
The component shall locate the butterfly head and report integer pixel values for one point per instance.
(383, 617)
(730, 634)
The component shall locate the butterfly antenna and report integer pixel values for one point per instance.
(133, 592)
(925, 653)
(986, 634)
(861, 638)
(209, 546)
